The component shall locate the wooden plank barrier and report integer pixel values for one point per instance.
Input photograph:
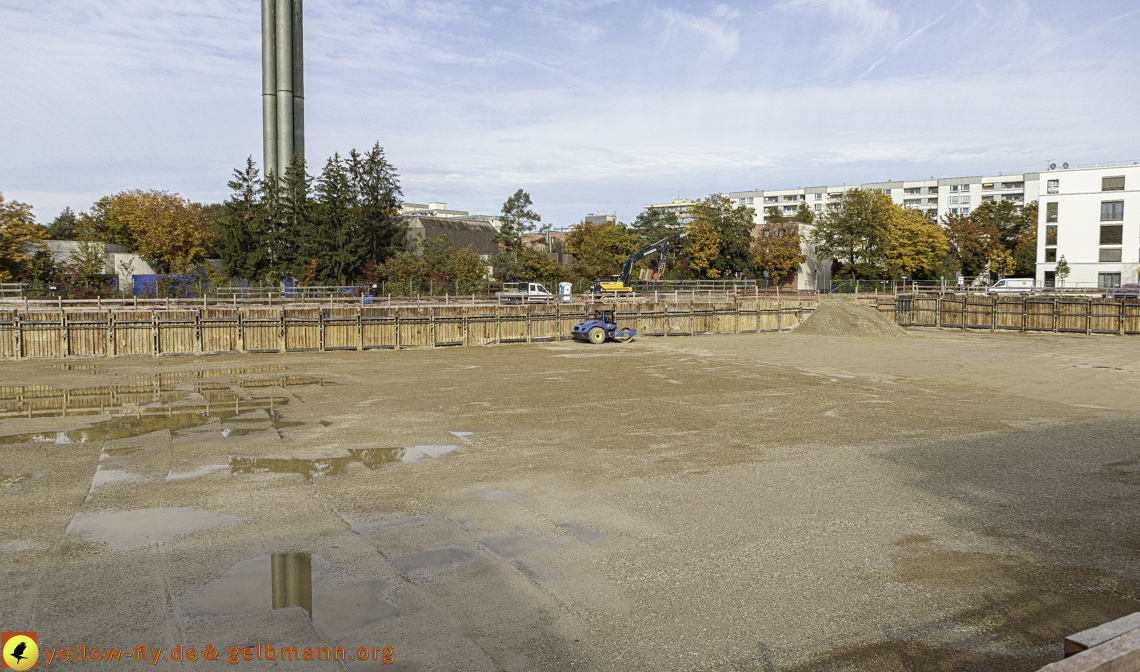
(1013, 313)
(158, 332)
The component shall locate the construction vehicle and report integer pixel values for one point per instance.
(602, 330)
(619, 284)
(525, 292)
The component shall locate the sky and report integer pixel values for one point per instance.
(594, 105)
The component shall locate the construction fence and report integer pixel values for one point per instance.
(155, 332)
(1057, 314)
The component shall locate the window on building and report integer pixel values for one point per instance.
(1050, 278)
(932, 201)
(910, 191)
(819, 197)
(1051, 234)
(953, 187)
(1012, 185)
(987, 186)
(1108, 280)
(791, 208)
(1013, 197)
(1050, 254)
(964, 211)
(987, 198)
(952, 211)
(932, 190)
(1110, 254)
(1112, 183)
(1053, 186)
(1112, 234)
(965, 200)
(1050, 212)
(818, 207)
(1112, 211)
(953, 199)
(771, 199)
(791, 198)
(964, 187)
(912, 202)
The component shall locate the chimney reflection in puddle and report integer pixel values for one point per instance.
(293, 581)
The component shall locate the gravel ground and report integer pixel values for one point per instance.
(754, 502)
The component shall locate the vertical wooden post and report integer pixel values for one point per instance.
(360, 326)
(466, 330)
(65, 346)
(993, 313)
(529, 327)
(321, 326)
(197, 331)
(431, 326)
(1088, 316)
(498, 329)
(396, 315)
(1056, 314)
(692, 318)
(154, 332)
(16, 324)
(110, 333)
(241, 332)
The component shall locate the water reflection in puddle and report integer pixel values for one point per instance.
(152, 419)
(44, 400)
(8, 480)
(283, 580)
(373, 458)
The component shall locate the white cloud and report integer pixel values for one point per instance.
(717, 37)
(864, 25)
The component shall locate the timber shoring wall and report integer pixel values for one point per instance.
(122, 333)
(1014, 313)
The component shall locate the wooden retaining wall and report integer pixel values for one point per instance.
(1010, 313)
(126, 333)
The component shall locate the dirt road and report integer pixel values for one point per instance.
(753, 502)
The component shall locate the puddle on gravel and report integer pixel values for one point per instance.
(423, 565)
(157, 391)
(283, 580)
(8, 480)
(127, 530)
(519, 547)
(85, 368)
(373, 458)
(152, 419)
(586, 534)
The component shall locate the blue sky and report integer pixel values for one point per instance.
(587, 105)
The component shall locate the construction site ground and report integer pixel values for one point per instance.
(932, 501)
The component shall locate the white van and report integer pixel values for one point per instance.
(1012, 285)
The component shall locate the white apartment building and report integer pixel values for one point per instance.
(934, 197)
(1091, 217)
(679, 207)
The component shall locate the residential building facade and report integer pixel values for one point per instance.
(679, 207)
(936, 197)
(1091, 217)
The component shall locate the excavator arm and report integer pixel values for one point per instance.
(661, 246)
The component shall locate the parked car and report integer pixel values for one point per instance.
(1129, 290)
(1011, 286)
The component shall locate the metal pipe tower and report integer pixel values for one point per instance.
(282, 84)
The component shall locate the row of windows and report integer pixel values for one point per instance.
(1107, 255)
(1110, 211)
(1112, 183)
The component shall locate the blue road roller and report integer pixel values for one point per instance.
(602, 330)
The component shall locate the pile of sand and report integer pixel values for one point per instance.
(847, 318)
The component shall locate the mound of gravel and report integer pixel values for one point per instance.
(847, 318)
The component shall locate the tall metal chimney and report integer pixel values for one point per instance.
(282, 77)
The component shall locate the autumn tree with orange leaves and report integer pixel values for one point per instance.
(169, 232)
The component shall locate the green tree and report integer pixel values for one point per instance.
(517, 220)
(241, 228)
(63, 226)
(295, 236)
(701, 246)
(855, 232)
(336, 241)
(656, 224)
(376, 190)
(600, 249)
(777, 251)
(20, 238)
(733, 225)
(465, 266)
(968, 244)
(87, 262)
(916, 245)
(537, 266)
(1062, 271)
